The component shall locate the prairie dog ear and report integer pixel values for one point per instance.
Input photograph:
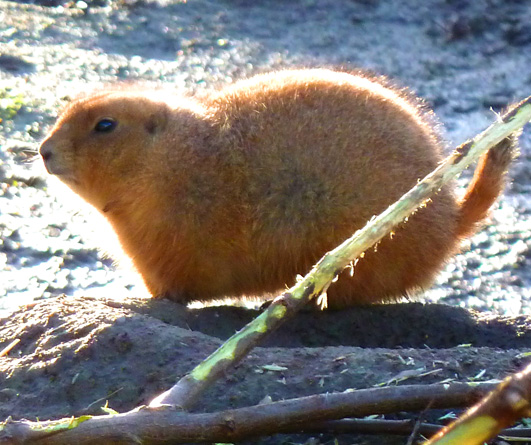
(157, 120)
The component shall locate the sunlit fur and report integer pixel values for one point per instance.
(236, 192)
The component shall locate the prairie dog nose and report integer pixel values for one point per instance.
(46, 151)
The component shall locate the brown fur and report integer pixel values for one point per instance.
(239, 191)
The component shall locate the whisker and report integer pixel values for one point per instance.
(31, 160)
(28, 150)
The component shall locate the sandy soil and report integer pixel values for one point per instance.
(467, 59)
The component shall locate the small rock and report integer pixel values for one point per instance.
(518, 34)
(495, 101)
(15, 65)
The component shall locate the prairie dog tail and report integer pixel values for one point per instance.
(486, 185)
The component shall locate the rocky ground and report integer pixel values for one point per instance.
(468, 60)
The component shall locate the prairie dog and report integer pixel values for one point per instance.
(238, 191)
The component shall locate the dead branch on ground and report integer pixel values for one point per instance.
(168, 425)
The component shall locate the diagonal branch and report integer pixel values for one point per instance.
(188, 389)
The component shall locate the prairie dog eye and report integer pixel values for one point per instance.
(105, 125)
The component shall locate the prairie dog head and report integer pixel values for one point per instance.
(103, 141)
